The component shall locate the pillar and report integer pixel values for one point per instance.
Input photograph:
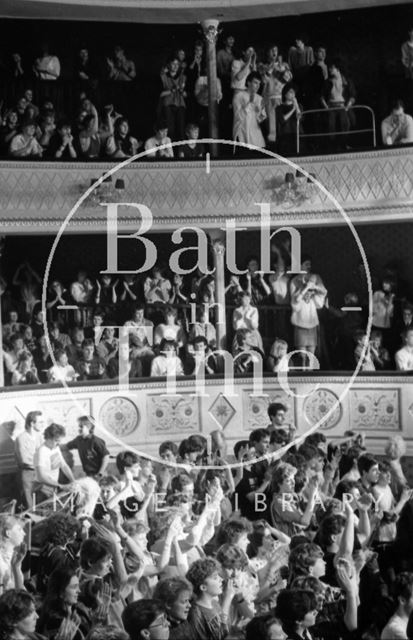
(218, 245)
(210, 28)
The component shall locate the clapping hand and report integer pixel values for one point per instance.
(68, 628)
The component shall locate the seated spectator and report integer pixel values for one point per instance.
(379, 355)
(62, 371)
(46, 66)
(12, 325)
(367, 363)
(198, 356)
(121, 144)
(278, 351)
(108, 345)
(203, 327)
(122, 366)
(245, 352)
(81, 290)
(170, 329)
(90, 366)
(61, 143)
(9, 129)
(168, 363)
(17, 348)
(42, 359)
(25, 371)
(57, 336)
(249, 112)
(192, 149)
(74, 349)
(160, 138)
(141, 338)
(120, 68)
(56, 296)
(288, 114)
(404, 357)
(397, 128)
(24, 144)
(339, 97)
(47, 129)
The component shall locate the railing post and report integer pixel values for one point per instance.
(218, 245)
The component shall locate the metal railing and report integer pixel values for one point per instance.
(333, 134)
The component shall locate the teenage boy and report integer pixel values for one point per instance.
(26, 445)
(92, 450)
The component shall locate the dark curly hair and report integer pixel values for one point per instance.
(61, 528)
(15, 606)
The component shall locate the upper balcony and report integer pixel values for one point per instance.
(371, 186)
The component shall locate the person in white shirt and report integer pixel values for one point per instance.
(62, 371)
(168, 363)
(308, 294)
(249, 112)
(160, 138)
(240, 69)
(157, 288)
(404, 357)
(170, 329)
(46, 67)
(24, 144)
(397, 128)
(396, 628)
(25, 448)
(48, 462)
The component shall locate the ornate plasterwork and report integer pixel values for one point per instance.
(373, 185)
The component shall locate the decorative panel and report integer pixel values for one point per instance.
(375, 409)
(179, 415)
(120, 416)
(318, 404)
(255, 408)
(66, 413)
(222, 411)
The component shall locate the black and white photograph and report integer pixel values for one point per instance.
(206, 320)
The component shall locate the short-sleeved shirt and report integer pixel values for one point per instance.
(91, 451)
(26, 445)
(50, 460)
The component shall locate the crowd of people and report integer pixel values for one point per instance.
(286, 537)
(261, 98)
(165, 324)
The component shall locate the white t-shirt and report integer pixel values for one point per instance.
(395, 629)
(26, 445)
(50, 461)
(404, 359)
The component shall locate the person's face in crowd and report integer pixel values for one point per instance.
(268, 542)
(318, 569)
(169, 350)
(170, 318)
(243, 541)
(213, 584)
(107, 493)
(309, 619)
(84, 430)
(193, 133)
(29, 130)
(18, 345)
(180, 608)
(253, 266)
(71, 593)
(168, 456)
(141, 537)
(408, 604)
(376, 342)
(273, 53)
(146, 468)
(119, 55)
(333, 71)
(43, 344)
(317, 464)
(199, 347)
(124, 352)
(198, 51)
(299, 43)
(158, 629)
(188, 489)
(262, 446)
(279, 418)
(254, 85)
(28, 333)
(288, 484)
(161, 134)
(248, 53)
(230, 41)
(13, 317)
(38, 424)
(28, 624)
(372, 475)
(63, 360)
(409, 339)
(88, 352)
(275, 632)
(28, 94)
(320, 54)
(109, 334)
(290, 96)
(397, 114)
(384, 477)
(39, 317)
(55, 333)
(97, 320)
(102, 567)
(181, 55)
(124, 128)
(78, 336)
(12, 119)
(21, 105)
(83, 56)
(138, 315)
(16, 534)
(407, 316)
(245, 301)
(173, 66)
(306, 266)
(230, 573)
(48, 106)
(362, 340)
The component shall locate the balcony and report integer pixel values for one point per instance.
(371, 186)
